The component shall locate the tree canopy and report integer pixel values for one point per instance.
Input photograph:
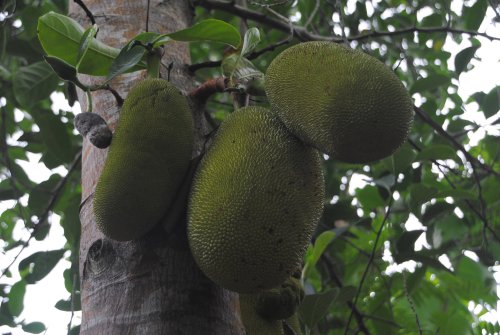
(407, 245)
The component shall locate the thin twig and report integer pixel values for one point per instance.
(437, 127)
(313, 14)
(411, 303)
(86, 10)
(147, 16)
(357, 314)
(73, 289)
(370, 261)
(52, 201)
(195, 67)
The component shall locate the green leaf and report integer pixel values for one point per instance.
(401, 159)
(85, 43)
(456, 194)
(74, 330)
(315, 306)
(65, 305)
(430, 83)
(206, 30)
(474, 16)
(346, 294)
(437, 151)
(320, 245)
(369, 197)
(40, 264)
(60, 37)
(406, 242)
(33, 83)
(491, 102)
(420, 194)
(63, 69)
(34, 327)
(250, 41)
(463, 58)
(16, 297)
(55, 135)
(39, 197)
(128, 57)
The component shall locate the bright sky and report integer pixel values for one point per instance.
(40, 298)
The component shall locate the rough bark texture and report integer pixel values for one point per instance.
(149, 286)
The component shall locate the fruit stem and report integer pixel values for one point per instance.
(153, 63)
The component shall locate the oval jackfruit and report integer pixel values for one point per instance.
(339, 100)
(256, 198)
(147, 160)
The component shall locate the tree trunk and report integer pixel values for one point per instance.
(152, 285)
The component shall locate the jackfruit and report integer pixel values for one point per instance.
(254, 323)
(269, 309)
(256, 198)
(280, 302)
(339, 100)
(147, 160)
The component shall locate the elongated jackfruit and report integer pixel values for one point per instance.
(256, 198)
(339, 100)
(147, 160)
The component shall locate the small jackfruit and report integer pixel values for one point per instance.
(146, 162)
(254, 323)
(339, 100)
(256, 198)
(280, 302)
(262, 310)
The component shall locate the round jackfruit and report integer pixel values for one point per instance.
(339, 100)
(256, 198)
(147, 160)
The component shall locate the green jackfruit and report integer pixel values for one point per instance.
(339, 100)
(280, 302)
(147, 160)
(254, 323)
(264, 312)
(256, 198)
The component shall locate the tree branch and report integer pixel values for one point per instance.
(86, 10)
(303, 35)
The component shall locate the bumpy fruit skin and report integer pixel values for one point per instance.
(146, 162)
(256, 198)
(339, 100)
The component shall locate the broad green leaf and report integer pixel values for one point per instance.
(250, 41)
(55, 135)
(346, 294)
(7, 192)
(463, 58)
(401, 159)
(342, 210)
(34, 327)
(315, 306)
(491, 102)
(63, 69)
(65, 305)
(60, 37)
(320, 245)
(75, 330)
(420, 194)
(406, 242)
(435, 211)
(448, 228)
(16, 297)
(436, 151)
(474, 16)
(6, 317)
(240, 68)
(430, 83)
(40, 264)
(33, 83)
(128, 57)
(206, 30)
(40, 196)
(4, 73)
(369, 197)
(87, 38)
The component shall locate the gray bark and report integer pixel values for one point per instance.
(152, 285)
